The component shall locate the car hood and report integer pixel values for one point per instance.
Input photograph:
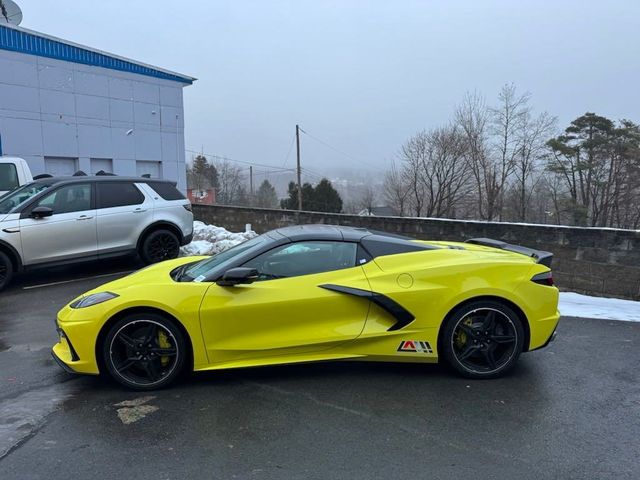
(156, 274)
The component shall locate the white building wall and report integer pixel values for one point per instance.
(58, 109)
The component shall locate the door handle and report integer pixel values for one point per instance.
(84, 217)
(139, 210)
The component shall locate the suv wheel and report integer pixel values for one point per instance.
(6, 270)
(158, 246)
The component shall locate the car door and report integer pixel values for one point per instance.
(123, 212)
(70, 232)
(287, 312)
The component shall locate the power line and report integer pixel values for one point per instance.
(337, 150)
(293, 139)
(244, 162)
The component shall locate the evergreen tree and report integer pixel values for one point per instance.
(202, 174)
(291, 203)
(266, 196)
(326, 198)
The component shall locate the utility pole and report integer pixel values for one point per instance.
(298, 156)
(251, 181)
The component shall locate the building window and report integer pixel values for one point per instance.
(60, 166)
(101, 164)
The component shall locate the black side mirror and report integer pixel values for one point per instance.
(237, 276)
(41, 212)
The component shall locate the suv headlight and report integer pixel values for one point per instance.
(92, 299)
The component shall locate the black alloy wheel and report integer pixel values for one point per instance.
(483, 339)
(6, 270)
(144, 352)
(160, 245)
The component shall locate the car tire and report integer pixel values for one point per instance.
(482, 339)
(144, 351)
(158, 246)
(6, 270)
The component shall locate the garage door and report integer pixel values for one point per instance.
(152, 169)
(60, 166)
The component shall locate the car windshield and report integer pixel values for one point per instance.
(205, 268)
(12, 200)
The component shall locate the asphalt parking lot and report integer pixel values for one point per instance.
(569, 411)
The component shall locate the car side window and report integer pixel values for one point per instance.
(71, 198)
(304, 258)
(118, 194)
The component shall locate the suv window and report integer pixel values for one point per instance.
(71, 198)
(8, 176)
(166, 190)
(304, 258)
(118, 194)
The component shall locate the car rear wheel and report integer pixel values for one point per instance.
(144, 351)
(6, 270)
(158, 246)
(483, 339)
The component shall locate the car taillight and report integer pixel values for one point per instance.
(187, 206)
(545, 278)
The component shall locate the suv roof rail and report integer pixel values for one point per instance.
(79, 173)
(43, 175)
(102, 173)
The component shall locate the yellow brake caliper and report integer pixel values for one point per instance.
(163, 342)
(461, 339)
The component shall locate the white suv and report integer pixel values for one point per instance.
(55, 221)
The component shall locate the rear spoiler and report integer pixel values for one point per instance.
(542, 257)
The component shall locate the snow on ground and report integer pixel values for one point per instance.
(576, 305)
(209, 239)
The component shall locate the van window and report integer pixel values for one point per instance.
(8, 177)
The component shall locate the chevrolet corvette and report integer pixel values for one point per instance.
(316, 293)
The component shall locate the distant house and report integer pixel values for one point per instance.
(66, 107)
(203, 197)
(384, 211)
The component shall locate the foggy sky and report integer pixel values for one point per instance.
(360, 75)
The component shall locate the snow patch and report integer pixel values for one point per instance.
(576, 305)
(210, 239)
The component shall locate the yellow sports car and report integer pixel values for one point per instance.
(316, 292)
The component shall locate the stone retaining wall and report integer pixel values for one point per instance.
(597, 261)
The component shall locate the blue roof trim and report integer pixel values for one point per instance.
(24, 42)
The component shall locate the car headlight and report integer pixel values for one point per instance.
(92, 299)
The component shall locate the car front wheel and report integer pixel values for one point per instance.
(144, 351)
(483, 339)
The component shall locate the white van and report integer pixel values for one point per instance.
(14, 172)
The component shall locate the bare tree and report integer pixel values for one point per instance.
(472, 117)
(412, 155)
(533, 134)
(367, 199)
(396, 190)
(231, 189)
(506, 124)
(443, 171)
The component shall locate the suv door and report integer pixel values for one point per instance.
(70, 232)
(124, 211)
